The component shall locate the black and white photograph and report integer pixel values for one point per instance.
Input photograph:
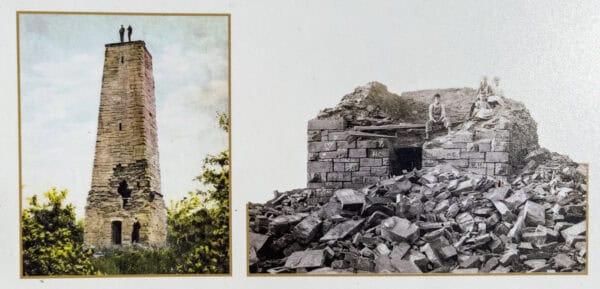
(437, 149)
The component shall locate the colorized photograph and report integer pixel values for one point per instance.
(124, 144)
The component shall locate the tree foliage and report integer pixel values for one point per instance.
(199, 223)
(52, 239)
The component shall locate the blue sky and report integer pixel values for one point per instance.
(61, 72)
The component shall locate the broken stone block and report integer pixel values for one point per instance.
(258, 241)
(465, 271)
(551, 235)
(465, 221)
(536, 238)
(463, 186)
(509, 257)
(431, 255)
(490, 265)
(365, 264)
(327, 123)
(525, 247)
(563, 261)
(307, 229)
(428, 179)
(283, 223)
(383, 264)
(306, 259)
(479, 241)
(343, 230)
(338, 264)
(501, 269)
(574, 213)
(537, 265)
(375, 219)
(516, 199)
(406, 267)
(472, 261)
(506, 214)
(350, 199)
(382, 250)
(496, 245)
(441, 207)
(418, 259)
(395, 229)
(399, 251)
(571, 233)
(452, 210)
(535, 214)
(447, 252)
(366, 252)
(515, 232)
(498, 194)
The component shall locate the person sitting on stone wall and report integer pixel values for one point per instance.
(437, 114)
(482, 109)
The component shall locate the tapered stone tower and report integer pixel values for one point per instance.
(125, 204)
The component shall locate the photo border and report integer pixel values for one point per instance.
(230, 253)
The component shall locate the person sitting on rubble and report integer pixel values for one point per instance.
(437, 114)
(482, 109)
(496, 93)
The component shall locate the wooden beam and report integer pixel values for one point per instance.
(389, 126)
(364, 134)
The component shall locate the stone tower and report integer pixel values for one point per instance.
(125, 204)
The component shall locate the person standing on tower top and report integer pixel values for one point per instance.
(122, 33)
(129, 31)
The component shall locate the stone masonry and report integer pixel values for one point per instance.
(126, 192)
(336, 159)
(481, 152)
(336, 162)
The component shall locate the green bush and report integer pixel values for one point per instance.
(52, 240)
(131, 260)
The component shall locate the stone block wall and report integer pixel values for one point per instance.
(335, 162)
(480, 151)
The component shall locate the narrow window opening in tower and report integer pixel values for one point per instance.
(122, 59)
(151, 196)
(135, 233)
(116, 232)
(120, 126)
(125, 192)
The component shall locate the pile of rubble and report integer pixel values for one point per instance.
(435, 220)
(373, 104)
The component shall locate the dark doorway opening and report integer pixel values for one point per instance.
(405, 158)
(125, 192)
(116, 232)
(135, 233)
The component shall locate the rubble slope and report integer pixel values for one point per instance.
(434, 220)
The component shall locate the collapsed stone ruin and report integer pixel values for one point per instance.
(380, 198)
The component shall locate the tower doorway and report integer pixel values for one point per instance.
(405, 158)
(116, 232)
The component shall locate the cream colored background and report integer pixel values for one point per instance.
(292, 58)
